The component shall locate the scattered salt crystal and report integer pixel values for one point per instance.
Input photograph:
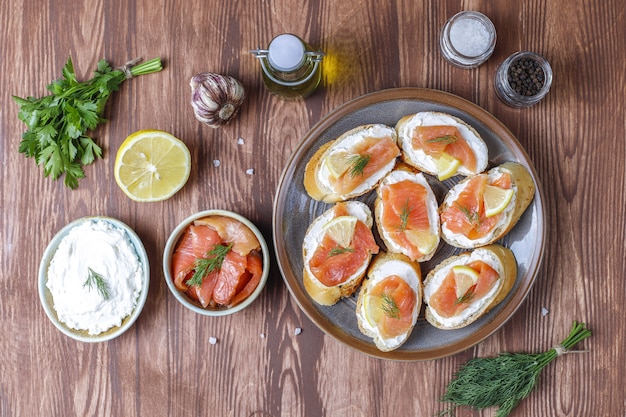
(544, 311)
(212, 340)
(250, 171)
(262, 335)
(240, 141)
(297, 331)
(217, 162)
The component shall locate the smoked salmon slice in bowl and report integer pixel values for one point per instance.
(216, 262)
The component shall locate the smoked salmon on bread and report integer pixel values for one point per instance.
(407, 216)
(441, 145)
(351, 165)
(390, 300)
(337, 250)
(483, 208)
(464, 287)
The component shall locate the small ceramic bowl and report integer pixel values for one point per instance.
(181, 296)
(46, 297)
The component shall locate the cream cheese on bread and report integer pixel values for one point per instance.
(319, 175)
(427, 163)
(321, 293)
(383, 266)
(499, 258)
(431, 207)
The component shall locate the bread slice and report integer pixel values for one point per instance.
(329, 294)
(403, 237)
(336, 173)
(501, 259)
(423, 158)
(523, 188)
(383, 266)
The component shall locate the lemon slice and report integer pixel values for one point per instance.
(496, 199)
(447, 166)
(341, 229)
(465, 277)
(152, 165)
(424, 240)
(339, 162)
(372, 309)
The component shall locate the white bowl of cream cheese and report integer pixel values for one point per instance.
(94, 278)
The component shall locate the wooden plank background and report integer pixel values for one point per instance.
(164, 365)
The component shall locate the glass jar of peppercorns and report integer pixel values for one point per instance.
(523, 79)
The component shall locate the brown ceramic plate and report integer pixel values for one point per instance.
(294, 210)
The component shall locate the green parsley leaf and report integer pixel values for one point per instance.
(57, 123)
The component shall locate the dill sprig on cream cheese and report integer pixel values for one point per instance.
(96, 280)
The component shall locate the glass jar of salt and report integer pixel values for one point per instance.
(467, 39)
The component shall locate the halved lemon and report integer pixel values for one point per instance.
(424, 240)
(447, 166)
(496, 199)
(152, 165)
(464, 277)
(341, 229)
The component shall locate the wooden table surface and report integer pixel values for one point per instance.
(164, 365)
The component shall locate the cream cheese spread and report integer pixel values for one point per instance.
(375, 276)
(95, 247)
(347, 145)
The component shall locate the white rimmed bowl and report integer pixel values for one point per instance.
(170, 246)
(47, 300)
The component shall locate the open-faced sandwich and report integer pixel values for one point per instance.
(483, 208)
(390, 300)
(441, 145)
(407, 216)
(337, 250)
(464, 287)
(352, 164)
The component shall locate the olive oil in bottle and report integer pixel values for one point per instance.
(291, 68)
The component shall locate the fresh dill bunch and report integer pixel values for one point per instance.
(503, 381)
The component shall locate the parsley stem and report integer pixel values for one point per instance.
(148, 67)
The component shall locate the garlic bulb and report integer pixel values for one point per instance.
(215, 98)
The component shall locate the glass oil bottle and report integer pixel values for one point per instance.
(291, 68)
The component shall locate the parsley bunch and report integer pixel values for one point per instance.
(57, 123)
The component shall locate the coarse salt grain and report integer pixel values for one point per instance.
(262, 335)
(250, 171)
(469, 37)
(217, 162)
(544, 311)
(240, 141)
(297, 331)
(212, 340)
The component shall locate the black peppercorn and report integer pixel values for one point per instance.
(525, 76)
